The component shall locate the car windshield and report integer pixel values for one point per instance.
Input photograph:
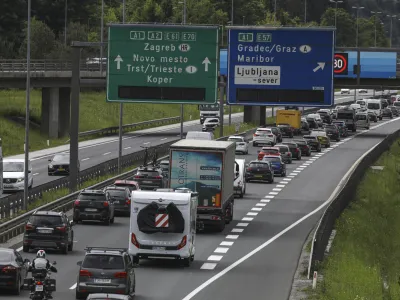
(272, 159)
(373, 106)
(49, 220)
(235, 139)
(309, 138)
(60, 158)
(396, 103)
(103, 262)
(361, 117)
(131, 187)
(345, 115)
(5, 256)
(209, 107)
(270, 150)
(92, 197)
(116, 193)
(322, 113)
(258, 165)
(148, 173)
(13, 167)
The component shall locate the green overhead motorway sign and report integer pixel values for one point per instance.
(162, 63)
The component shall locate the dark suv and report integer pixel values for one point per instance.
(150, 178)
(121, 198)
(48, 230)
(294, 149)
(105, 270)
(94, 205)
(286, 130)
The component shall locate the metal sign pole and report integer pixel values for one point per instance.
(221, 106)
(121, 113)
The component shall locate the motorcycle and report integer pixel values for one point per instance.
(41, 285)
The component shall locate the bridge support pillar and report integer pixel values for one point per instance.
(255, 114)
(55, 112)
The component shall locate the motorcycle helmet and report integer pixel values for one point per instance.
(41, 254)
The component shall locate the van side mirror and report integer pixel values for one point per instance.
(79, 263)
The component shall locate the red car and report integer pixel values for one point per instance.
(268, 151)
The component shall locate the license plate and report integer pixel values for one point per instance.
(159, 248)
(147, 182)
(61, 169)
(39, 288)
(44, 231)
(7, 185)
(258, 176)
(102, 280)
(90, 209)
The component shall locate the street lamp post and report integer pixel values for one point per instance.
(275, 11)
(305, 11)
(358, 9)
(391, 27)
(101, 36)
(65, 22)
(336, 4)
(375, 13)
(183, 22)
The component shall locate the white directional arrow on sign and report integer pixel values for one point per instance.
(206, 62)
(321, 65)
(118, 60)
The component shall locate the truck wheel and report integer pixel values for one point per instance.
(25, 249)
(221, 226)
(354, 129)
(229, 214)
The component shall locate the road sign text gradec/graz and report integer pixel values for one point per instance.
(278, 66)
(162, 63)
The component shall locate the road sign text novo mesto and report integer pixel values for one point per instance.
(158, 63)
(279, 66)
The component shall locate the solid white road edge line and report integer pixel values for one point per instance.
(73, 287)
(261, 247)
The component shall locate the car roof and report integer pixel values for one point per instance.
(309, 136)
(282, 145)
(114, 187)
(13, 160)
(271, 156)
(92, 192)
(126, 182)
(263, 128)
(46, 213)
(257, 161)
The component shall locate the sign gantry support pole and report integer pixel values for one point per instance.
(221, 105)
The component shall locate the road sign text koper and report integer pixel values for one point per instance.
(279, 66)
(162, 64)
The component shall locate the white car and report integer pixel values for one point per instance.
(362, 120)
(264, 136)
(344, 91)
(241, 145)
(362, 91)
(13, 174)
(210, 124)
(355, 106)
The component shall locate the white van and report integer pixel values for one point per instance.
(163, 224)
(239, 186)
(362, 120)
(200, 135)
(375, 105)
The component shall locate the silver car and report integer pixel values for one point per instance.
(109, 297)
(241, 145)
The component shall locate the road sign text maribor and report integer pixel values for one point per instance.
(162, 63)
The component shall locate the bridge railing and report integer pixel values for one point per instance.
(40, 65)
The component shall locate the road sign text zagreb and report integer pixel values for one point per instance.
(162, 63)
(280, 66)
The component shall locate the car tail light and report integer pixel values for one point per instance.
(134, 240)
(76, 203)
(296, 150)
(248, 169)
(9, 269)
(62, 228)
(121, 275)
(85, 273)
(127, 201)
(138, 176)
(158, 177)
(106, 204)
(39, 283)
(182, 243)
(270, 135)
(29, 227)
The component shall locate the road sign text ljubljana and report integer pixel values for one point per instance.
(162, 63)
(280, 66)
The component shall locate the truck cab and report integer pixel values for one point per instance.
(208, 111)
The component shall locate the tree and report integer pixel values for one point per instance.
(346, 29)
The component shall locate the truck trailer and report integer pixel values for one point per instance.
(208, 168)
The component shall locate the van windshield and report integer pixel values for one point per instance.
(361, 102)
(373, 106)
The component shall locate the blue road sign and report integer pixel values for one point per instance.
(280, 66)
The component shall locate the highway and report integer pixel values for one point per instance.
(257, 254)
(100, 151)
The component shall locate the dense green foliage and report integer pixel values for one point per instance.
(84, 20)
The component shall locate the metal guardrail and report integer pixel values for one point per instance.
(115, 129)
(41, 65)
(342, 200)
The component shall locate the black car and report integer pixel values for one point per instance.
(372, 116)
(121, 198)
(259, 171)
(48, 230)
(277, 132)
(294, 149)
(286, 130)
(313, 142)
(312, 123)
(304, 147)
(384, 103)
(94, 205)
(59, 165)
(14, 270)
(105, 270)
(394, 110)
(332, 131)
(341, 125)
(325, 116)
(150, 178)
(305, 126)
(387, 113)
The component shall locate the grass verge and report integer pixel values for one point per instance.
(95, 113)
(365, 259)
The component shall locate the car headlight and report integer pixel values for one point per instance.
(20, 179)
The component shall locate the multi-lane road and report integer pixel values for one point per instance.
(256, 256)
(101, 150)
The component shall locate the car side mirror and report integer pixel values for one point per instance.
(79, 263)
(27, 261)
(49, 160)
(54, 262)
(71, 223)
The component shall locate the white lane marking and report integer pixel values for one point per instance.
(330, 148)
(126, 148)
(283, 182)
(269, 196)
(221, 250)
(300, 169)
(256, 209)
(208, 266)
(296, 171)
(313, 159)
(261, 204)
(251, 214)
(224, 243)
(242, 224)
(247, 219)
(164, 139)
(287, 179)
(87, 158)
(232, 237)
(305, 165)
(276, 189)
(215, 257)
(106, 153)
(334, 146)
(291, 176)
(237, 230)
(19, 249)
(73, 287)
(35, 174)
(309, 161)
(265, 200)
(146, 143)
(280, 185)
(273, 193)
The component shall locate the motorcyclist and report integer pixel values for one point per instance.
(40, 265)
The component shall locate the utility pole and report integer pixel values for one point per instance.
(391, 28)
(184, 23)
(336, 4)
(375, 13)
(358, 9)
(230, 106)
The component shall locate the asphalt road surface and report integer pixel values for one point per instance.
(99, 152)
(255, 257)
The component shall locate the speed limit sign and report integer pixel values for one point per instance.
(340, 63)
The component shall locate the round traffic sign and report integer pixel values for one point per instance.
(340, 63)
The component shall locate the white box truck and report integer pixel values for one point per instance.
(163, 225)
(206, 167)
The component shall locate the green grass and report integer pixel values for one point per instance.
(366, 249)
(95, 113)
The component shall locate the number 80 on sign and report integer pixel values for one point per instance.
(340, 63)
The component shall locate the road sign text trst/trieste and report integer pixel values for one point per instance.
(158, 63)
(278, 66)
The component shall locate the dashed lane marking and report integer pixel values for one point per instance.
(237, 230)
(224, 243)
(242, 224)
(106, 153)
(261, 204)
(232, 237)
(208, 266)
(221, 250)
(247, 219)
(215, 257)
(35, 174)
(84, 159)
